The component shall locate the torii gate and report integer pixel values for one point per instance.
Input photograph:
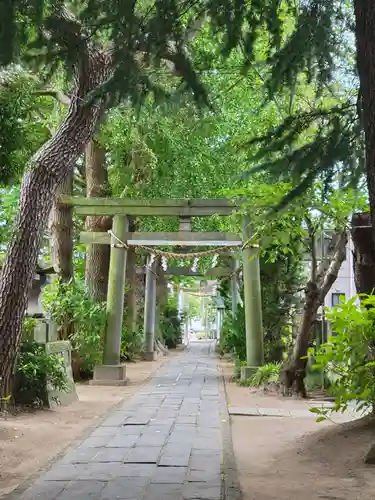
(112, 372)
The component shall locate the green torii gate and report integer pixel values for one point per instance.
(112, 372)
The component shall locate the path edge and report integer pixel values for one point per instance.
(32, 479)
(231, 487)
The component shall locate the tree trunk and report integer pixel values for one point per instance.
(365, 39)
(294, 372)
(363, 253)
(97, 256)
(61, 232)
(48, 169)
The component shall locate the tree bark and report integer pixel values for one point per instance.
(363, 253)
(61, 231)
(294, 372)
(365, 39)
(48, 169)
(97, 256)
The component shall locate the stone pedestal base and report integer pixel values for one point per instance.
(150, 356)
(248, 371)
(109, 375)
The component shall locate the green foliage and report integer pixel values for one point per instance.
(22, 128)
(8, 209)
(264, 375)
(131, 344)
(312, 145)
(29, 325)
(233, 334)
(348, 357)
(316, 378)
(171, 326)
(34, 369)
(280, 279)
(79, 318)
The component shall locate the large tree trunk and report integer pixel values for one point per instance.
(316, 290)
(48, 169)
(365, 38)
(97, 256)
(61, 232)
(363, 253)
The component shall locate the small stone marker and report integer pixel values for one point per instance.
(62, 348)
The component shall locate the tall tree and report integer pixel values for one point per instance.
(60, 226)
(96, 71)
(97, 256)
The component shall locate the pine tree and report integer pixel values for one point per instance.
(108, 49)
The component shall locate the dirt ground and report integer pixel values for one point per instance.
(28, 441)
(288, 458)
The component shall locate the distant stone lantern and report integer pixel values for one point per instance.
(45, 331)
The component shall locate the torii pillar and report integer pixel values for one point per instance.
(252, 305)
(112, 371)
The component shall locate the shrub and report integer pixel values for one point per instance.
(80, 319)
(348, 358)
(131, 344)
(233, 334)
(264, 375)
(170, 326)
(35, 368)
(28, 328)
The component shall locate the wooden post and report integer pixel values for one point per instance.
(115, 294)
(150, 311)
(253, 305)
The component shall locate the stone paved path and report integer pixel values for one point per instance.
(165, 443)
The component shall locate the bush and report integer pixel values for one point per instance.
(170, 327)
(131, 344)
(233, 334)
(29, 325)
(80, 319)
(348, 358)
(35, 368)
(264, 375)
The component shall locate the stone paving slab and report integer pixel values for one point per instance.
(165, 443)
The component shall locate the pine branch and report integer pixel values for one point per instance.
(57, 94)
